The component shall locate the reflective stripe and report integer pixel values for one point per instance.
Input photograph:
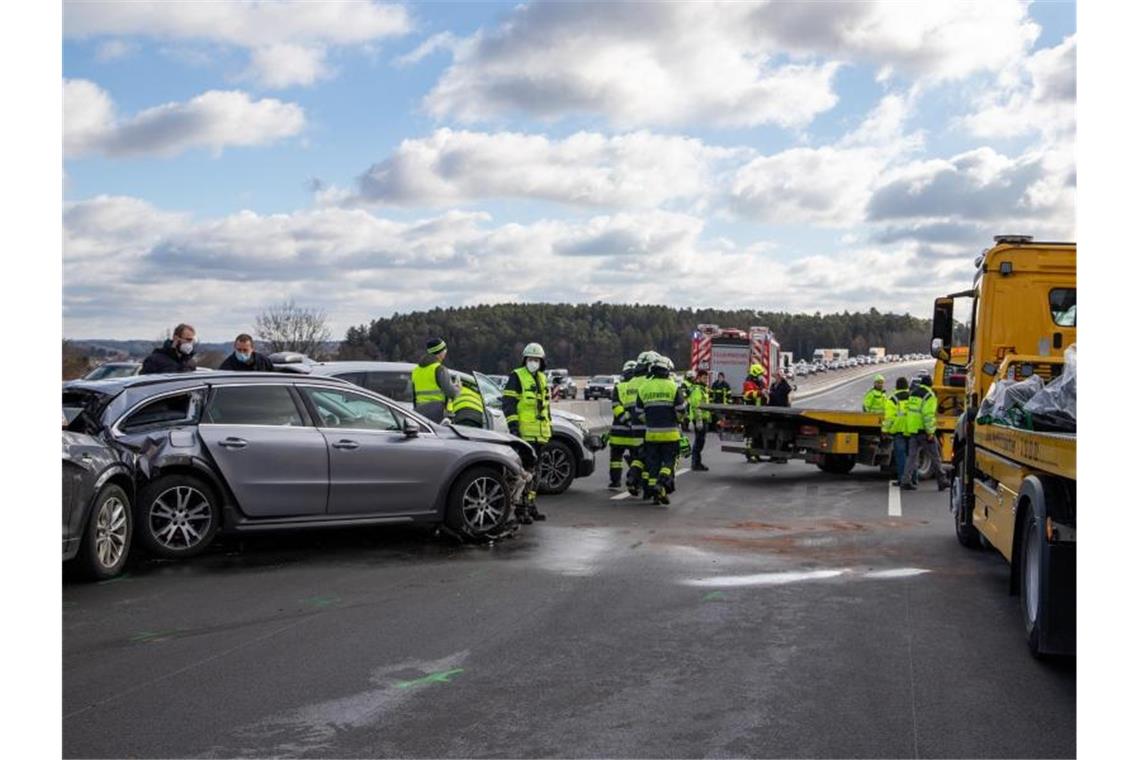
(533, 414)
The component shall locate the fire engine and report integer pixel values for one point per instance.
(732, 351)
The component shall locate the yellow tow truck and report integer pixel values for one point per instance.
(834, 440)
(1015, 489)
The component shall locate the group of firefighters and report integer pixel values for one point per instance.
(909, 420)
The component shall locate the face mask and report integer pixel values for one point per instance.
(243, 357)
(187, 347)
(532, 365)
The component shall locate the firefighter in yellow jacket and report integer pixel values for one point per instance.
(526, 403)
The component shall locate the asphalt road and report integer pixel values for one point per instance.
(770, 611)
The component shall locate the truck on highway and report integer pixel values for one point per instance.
(825, 355)
(732, 351)
(1015, 489)
(835, 440)
(877, 352)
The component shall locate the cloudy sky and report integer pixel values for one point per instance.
(368, 158)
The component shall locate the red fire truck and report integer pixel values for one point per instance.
(733, 351)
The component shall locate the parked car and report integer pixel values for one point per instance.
(562, 382)
(600, 386)
(108, 370)
(569, 454)
(98, 485)
(248, 451)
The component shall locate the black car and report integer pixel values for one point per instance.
(246, 451)
(97, 518)
(600, 386)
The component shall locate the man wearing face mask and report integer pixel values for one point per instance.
(245, 359)
(176, 354)
(526, 403)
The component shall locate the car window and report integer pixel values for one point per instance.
(1063, 306)
(395, 384)
(169, 411)
(345, 409)
(252, 405)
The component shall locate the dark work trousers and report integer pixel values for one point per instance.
(532, 486)
(636, 476)
(659, 460)
(900, 441)
(617, 461)
(916, 443)
(699, 442)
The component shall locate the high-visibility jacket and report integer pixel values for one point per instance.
(921, 410)
(467, 405)
(697, 398)
(754, 390)
(874, 400)
(627, 429)
(661, 404)
(894, 413)
(425, 386)
(526, 401)
(721, 392)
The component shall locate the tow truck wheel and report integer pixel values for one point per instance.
(837, 464)
(1032, 579)
(963, 523)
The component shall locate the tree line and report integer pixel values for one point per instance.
(599, 337)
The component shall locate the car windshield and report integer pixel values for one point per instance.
(601, 379)
(112, 370)
(492, 394)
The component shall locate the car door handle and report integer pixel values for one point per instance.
(347, 445)
(233, 443)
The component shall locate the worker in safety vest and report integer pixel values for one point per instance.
(467, 408)
(626, 433)
(721, 391)
(876, 397)
(894, 426)
(921, 416)
(700, 418)
(662, 404)
(526, 403)
(431, 382)
(754, 385)
(636, 478)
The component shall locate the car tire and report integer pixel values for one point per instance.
(177, 516)
(1033, 578)
(557, 467)
(963, 524)
(478, 504)
(107, 539)
(837, 464)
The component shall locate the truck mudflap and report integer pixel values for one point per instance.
(1053, 509)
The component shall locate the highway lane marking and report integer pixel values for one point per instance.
(894, 501)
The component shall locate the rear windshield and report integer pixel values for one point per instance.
(601, 379)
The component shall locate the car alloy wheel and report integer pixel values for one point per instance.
(180, 517)
(484, 503)
(554, 468)
(111, 531)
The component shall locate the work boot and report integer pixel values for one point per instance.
(700, 468)
(614, 486)
(908, 487)
(662, 497)
(523, 515)
(943, 485)
(535, 514)
(894, 482)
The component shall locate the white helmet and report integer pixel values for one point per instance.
(668, 362)
(629, 365)
(662, 362)
(533, 351)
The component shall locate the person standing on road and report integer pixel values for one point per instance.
(431, 382)
(626, 434)
(245, 359)
(526, 403)
(467, 408)
(175, 355)
(721, 391)
(661, 403)
(922, 410)
(754, 392)
(895, 426)
(781, 392)
(700, 418)
(876, 398)
(636, 477)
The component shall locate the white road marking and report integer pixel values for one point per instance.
(763, 579)
(898, 572)
(894, 501)
(682, 471)
(622, 495)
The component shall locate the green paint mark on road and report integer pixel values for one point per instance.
(714, 596)
(321, 601)
(443, 676)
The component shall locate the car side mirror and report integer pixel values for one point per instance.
(411, 427)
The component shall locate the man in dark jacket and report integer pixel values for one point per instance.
(780, 392)
(245, 359)
(176, 354)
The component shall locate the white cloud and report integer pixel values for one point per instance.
(1040, 97)
(113, 50)
(433, 44)
(122, 256)
(293, 35)
(727, 64)
(640, 169)
(213, 120)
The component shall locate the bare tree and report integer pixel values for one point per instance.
(75, 361)
(289, 327)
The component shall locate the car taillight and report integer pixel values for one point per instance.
(809, 430)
